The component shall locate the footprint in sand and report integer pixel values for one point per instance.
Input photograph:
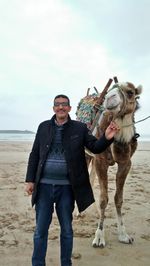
(2, 242)
(76, 255)
(82, 234)
(146, 237)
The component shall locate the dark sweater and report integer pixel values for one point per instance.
(55, 168)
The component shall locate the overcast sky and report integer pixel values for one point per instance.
(49, 47)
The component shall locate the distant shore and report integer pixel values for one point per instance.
(16, 132)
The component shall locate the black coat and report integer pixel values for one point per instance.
(75, 138)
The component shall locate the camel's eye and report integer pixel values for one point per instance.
(130, 93)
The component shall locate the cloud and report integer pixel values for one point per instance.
(49, 47)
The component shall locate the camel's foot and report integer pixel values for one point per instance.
(99, 240)
(124, 237)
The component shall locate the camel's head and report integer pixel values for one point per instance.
(122, 98)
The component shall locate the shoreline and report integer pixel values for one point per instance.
(143, 145)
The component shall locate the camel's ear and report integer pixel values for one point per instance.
(138, 90)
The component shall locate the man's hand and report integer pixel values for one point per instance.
(111, 130)
(29, 188)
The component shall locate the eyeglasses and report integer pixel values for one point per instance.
(56, 104)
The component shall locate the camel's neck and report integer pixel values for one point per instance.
(127, 129)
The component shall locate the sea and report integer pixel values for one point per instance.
(17, 137)
(30, 137)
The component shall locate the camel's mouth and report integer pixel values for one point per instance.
(112, 107)
(112, 101)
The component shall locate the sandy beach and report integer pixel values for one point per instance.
(17, 216)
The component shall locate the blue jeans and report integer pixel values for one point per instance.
(62, 196)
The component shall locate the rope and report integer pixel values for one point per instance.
(141, 120)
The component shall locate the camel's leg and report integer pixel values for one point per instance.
(101, 170)
(92, 172)
(122, 172)
(93, 175)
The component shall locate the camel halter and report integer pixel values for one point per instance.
(141, 120)
(122, 110)
(124, 98)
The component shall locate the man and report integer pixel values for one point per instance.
(57, 173)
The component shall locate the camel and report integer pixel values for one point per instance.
(120, 105)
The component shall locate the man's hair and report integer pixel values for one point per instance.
(62, 96)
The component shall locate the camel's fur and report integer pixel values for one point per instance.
(120, 105)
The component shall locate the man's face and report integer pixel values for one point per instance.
(61, 108)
